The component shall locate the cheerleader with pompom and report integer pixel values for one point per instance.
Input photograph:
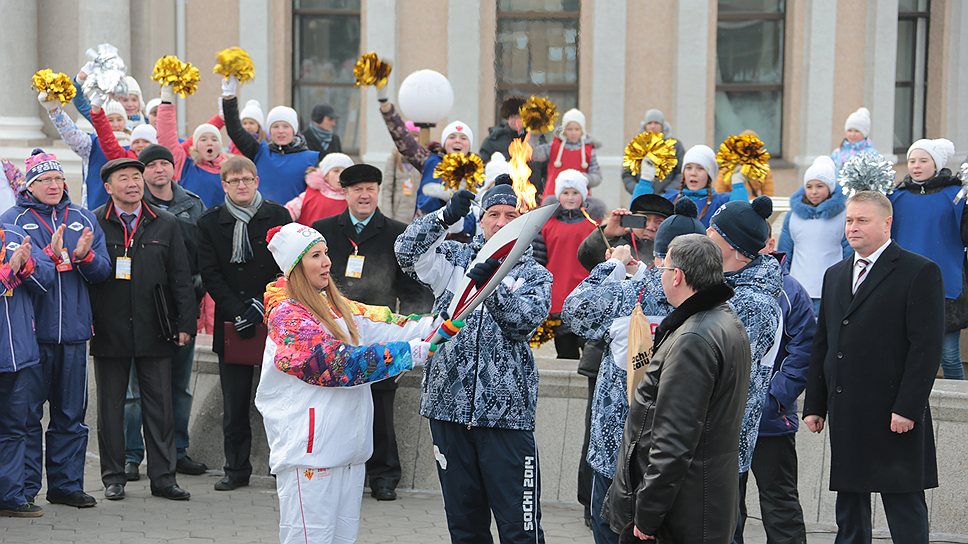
(857, 127)
(571, 148)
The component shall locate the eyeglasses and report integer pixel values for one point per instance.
(664, 268)
(244, 181)
(50, 181)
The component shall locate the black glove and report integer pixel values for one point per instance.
(458, 207)
(483, 271)
(246, 322)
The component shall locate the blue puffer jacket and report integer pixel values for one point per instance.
(589, 310)
(485, 376)
(757, 288)
(427, 204)
(64, 312)
(790, 368)
(18, 338)
(847, 150)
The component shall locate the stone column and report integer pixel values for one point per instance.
(881, 60)
(379, 35)
(255, 31)
(692, 71)
(19, 112)
(464, 64)
(817, 91)
(954, 111)
(104, 21)
(607, 117)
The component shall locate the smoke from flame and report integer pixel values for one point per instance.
(520, 151)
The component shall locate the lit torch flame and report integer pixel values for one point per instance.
(520, 151)
(588, 217)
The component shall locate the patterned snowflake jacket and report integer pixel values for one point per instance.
(314, 393)
(485, 376)
(602, 298)
(757, 286)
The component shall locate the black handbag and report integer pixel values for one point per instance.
(164, 306)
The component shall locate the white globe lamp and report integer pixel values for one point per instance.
(425, 97)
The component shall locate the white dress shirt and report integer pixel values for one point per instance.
(871, 259)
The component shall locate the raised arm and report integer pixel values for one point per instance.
(167, 125)
(233, 125)
(408, 146)
(109, 143)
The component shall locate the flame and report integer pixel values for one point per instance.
(520, 151)
(588, 217)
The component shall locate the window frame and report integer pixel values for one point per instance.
(737, 16)
(915, 17)
(529, 89)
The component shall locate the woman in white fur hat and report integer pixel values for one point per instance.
(571, 148)
(323, 352)
(813, 231)
(931, 221)
(857, 129)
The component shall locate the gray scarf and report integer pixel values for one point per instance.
(241, 248)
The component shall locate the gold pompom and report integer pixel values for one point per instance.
(182, 76)
(457, 167)
(545, 332)
(661, 151)
(539, 114)
(234, 61)
(57, 86)
(747, 152)
(371, 70)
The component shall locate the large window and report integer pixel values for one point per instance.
(749, 70)
(910, 81)
(536, 50)
(326, 45)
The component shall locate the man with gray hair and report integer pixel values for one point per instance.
(682, 433)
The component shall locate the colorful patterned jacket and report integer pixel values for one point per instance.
(485, 376)
(313, 413)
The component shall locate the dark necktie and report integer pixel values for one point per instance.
(359, 227)
(864, 265)
(128, 219)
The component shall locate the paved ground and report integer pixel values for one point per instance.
(250, 515)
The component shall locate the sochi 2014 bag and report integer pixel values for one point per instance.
(639, 349)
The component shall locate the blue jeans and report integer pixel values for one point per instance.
(602, 533)
(181, 399)
(951, 356)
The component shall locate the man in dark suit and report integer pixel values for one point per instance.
(236, 266)
(873, 365)
(360, 242)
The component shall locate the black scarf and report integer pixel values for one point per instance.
(700, 301)
(297, 144)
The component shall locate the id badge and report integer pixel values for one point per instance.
(122, 269)
(65, 263)
(354, 266)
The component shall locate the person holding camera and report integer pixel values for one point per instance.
(236, 265)
(635, 226)
(142, 311)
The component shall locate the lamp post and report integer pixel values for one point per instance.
(425, 97)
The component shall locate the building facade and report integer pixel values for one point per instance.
(792, 70)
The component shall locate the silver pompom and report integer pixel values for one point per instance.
(106, 77)
(963, 176)
(867, 171)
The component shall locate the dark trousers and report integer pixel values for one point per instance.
(601, 531)
(775, 469)
(484, 470)
(236, 381)
(181, 401)
(62, 383)
(907, 517)
(383, 467)
(15, 394)
(585, 471)
(154, 376)
(568, 345)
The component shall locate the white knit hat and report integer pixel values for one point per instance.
(572, 116)
(134, 88)
(461, 127)
(206, 128)
(114, 107)
(285, 114)
(704, 156)
(334, 160)
(495, 167)
(152, 104)
(859, 120)
(822, 169)
(290, 242)
(571, 179)
(253, 110)
(940, 150)
(144, 132)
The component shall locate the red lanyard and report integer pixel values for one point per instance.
(129, 237)
(3, 246)
(53, 219)
(356, 247)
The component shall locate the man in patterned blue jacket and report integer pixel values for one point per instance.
(480, 389)
(74, 244)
